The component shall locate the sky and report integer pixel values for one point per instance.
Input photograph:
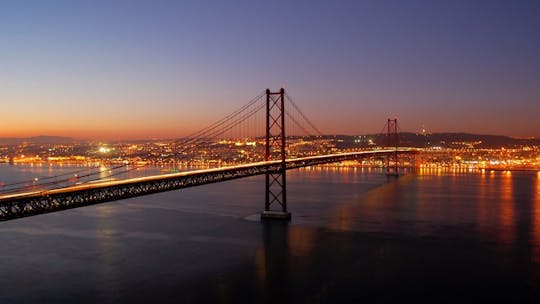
(163, 69)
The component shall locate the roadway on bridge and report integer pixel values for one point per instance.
(43, 201)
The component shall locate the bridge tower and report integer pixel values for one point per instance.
(392, 139)
(276, 182)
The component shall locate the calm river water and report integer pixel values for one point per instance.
(356, 236)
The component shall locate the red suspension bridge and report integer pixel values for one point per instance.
(277, 109)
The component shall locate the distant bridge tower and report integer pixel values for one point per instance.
(276, 183)
(392, 139)
(11, 155)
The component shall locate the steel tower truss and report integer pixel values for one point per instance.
(276, 182)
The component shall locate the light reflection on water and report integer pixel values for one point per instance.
(507, 213)
(107, 253)
(536, 221)
(349, 225)
(424, 202)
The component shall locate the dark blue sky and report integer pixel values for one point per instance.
(99, 69)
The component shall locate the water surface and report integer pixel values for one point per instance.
(355, 236)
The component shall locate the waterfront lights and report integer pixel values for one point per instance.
(104, 150)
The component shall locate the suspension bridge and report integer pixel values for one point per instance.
(90, 186)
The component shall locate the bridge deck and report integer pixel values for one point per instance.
(37, 202)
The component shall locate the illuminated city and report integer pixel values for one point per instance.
(218, 153)
(285, 151)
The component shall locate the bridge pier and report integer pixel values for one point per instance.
(276, 181)
(276, 215)
(276, 193)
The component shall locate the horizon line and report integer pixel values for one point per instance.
(262, 136)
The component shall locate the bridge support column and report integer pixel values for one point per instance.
(276, 181)
(392, 139)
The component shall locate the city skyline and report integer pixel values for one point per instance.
(161, 69)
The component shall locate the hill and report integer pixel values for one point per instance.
(41, 139)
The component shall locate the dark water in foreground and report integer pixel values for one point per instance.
(356, 236)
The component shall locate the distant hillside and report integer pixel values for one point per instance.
(457, 140)
(42, 139)
(446, 140)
